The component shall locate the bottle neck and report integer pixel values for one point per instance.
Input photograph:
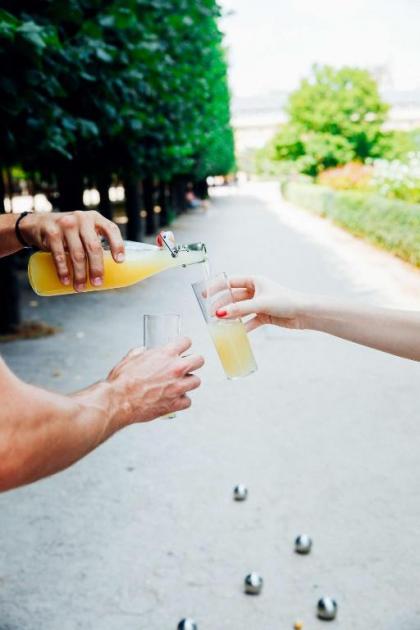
(190, 254)
(197, 247)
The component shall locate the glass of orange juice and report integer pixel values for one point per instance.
(229, 336)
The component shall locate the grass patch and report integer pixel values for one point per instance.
(391, 224)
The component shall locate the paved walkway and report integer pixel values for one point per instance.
(326, 436)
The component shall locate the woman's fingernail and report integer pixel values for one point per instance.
(66, 280)
(97, 281)
(80, 287)
(221, 313)
(120, 257)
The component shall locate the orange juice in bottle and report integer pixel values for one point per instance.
(141, 261)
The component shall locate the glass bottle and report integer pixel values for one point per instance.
(141, 261)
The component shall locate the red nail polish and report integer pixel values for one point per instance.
(221, 313)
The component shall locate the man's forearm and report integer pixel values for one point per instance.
(42, 433)
(9, 244)
(389, 330)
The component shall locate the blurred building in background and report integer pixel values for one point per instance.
(405, 109)
(256, 119)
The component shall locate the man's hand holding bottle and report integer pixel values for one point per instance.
(74, 240)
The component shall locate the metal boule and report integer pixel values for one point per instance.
(253, 584)
(327, 608)
(187, 624)
(303, 544)
(240, 492)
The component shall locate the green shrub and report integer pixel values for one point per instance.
(391, 224)
(307, 196)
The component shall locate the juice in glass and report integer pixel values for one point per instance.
(229, 335)
(232, 345)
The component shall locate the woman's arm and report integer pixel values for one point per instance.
(393, 331)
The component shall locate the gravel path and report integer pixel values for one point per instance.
(144, 531)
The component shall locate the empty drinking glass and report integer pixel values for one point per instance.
(160, 329)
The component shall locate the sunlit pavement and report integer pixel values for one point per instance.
(144, 531)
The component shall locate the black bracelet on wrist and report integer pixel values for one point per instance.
(19, 233)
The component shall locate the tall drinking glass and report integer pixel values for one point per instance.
(160, 329)
(229, 336)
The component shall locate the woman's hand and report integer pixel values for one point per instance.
(73, 238)
(269, 302)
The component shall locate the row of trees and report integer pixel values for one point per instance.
(97, 90)
(335, 116)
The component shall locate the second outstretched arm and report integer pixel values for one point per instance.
(394, 331)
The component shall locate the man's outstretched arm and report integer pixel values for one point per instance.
(42, 433)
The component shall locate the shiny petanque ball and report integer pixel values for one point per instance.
(187, 624)
(240, 492)
(327, 608)
(253, 584)
(303, 544)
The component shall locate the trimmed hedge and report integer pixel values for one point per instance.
(391, 224)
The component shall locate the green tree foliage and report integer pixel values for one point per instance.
(124, 86)
(334, 116)
(396, 145)
(32, 121)
(216, 154)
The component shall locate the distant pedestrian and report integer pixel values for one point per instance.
(191, 200)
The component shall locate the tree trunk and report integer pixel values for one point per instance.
(9, 296)
(9, 286)
(201, 189)
(70, 188)
(172, 197)
(133, 204)
(105, 206)
(149, 206)
(179, 191)
(164, 203)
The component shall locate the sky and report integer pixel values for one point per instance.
(273, 43)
